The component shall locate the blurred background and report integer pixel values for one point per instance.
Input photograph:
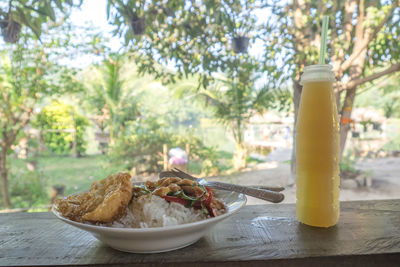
(92, 87)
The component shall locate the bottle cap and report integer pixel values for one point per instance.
(317, 73)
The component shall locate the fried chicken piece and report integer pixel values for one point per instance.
(150, 185)
(174, 188)
(105, 202)
(186, 182)
(161, 191)
(75, 206)
(137, 191)
(169, 180)
(193, 191)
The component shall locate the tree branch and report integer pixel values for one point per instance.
(333, 26)
(347, 28)
(365, 42)
(9, 112)
(350, 8)
(299, 8)
(357, 82)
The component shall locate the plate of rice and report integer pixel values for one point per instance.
(150, 217)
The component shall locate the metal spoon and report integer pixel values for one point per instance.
(264, 194)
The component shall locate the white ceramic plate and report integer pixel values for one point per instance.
(160, 239)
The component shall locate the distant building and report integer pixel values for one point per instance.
(271, 130)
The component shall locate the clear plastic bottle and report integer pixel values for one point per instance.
(317, 149)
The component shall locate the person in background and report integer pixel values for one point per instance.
(178, 158)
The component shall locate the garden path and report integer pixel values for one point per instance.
(385, 174)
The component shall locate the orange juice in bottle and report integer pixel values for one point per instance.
(317, 149)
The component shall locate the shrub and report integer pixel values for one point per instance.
(143, 143)
(347, 164)
(59, 116)
(28, 189)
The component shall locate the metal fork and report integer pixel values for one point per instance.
(264, 194)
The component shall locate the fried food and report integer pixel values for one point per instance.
(105, 202)
(183, 191)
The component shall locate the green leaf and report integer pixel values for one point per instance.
(33, 23)
(50, 11)
(36, 27)
(59, 4)
(108, 9)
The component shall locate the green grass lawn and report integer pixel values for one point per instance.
(33, 189)
(392, 145)
(76, 174)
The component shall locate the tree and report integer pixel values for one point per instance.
(32, 14)
(233, 101)
(113, 90)
(28, 72)
(166, 103)
(383, 94)
(195, 37)
(363, 45)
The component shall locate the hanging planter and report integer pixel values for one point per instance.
(241, 26)
(167, 11)
(10, 30)
(138, 26)
(240, 44)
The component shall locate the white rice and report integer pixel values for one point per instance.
(153, 211)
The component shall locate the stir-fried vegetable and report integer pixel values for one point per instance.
(185, 192)
(181, 198)
(176, 199)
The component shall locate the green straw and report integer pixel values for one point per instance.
(322, 49)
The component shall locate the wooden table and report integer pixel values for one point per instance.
(368, 234)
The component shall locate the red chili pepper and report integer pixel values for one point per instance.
(197, 204)
(207, 203)
(176, 199)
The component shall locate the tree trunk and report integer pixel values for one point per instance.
(4, 178)
(355, 73)
(296, 100)
(239, 158)
(345, 115)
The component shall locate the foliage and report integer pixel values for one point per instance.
(76, 174)
(166, 103)
(28, 189)
(28, 72)
(26, 76)
(195, 36)
(347, 164)
(392, 145)
(60, 116)
(382, 95)
(112, 95)
(142, 146)
(283, 39)
(362, 46)
(34, 14)
(32, 189)
(233, 101)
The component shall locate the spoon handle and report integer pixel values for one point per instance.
(264, 194)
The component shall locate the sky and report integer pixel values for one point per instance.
(93, 12)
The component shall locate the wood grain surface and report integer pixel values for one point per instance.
(368, 234)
